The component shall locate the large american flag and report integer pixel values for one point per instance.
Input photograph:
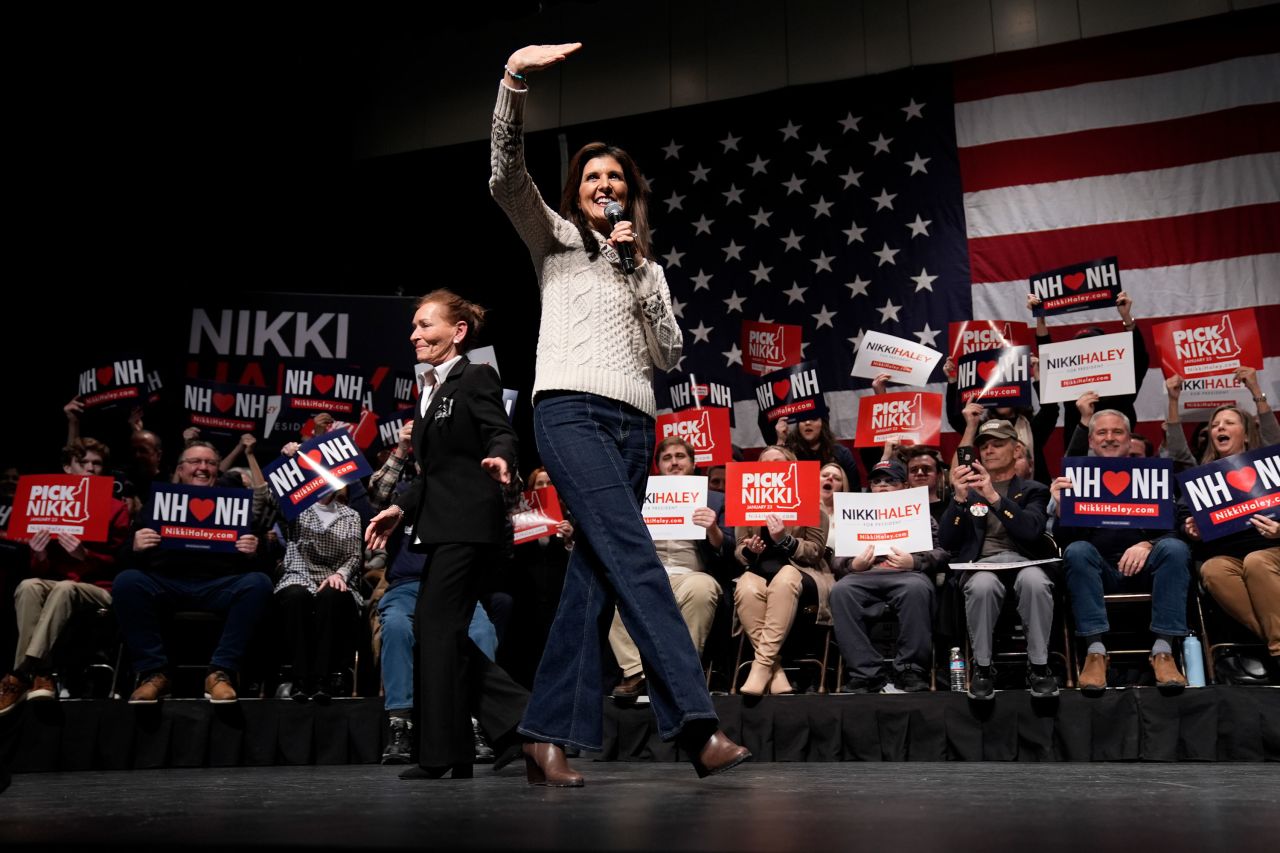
(901, 202)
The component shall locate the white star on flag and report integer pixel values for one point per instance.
(701, 332)
(913, 110)
(761, 272)
(700, 173)
(674, 202)
(733, 356)
(760, 218)
(734, 302)
(858, 287)
(850, 178)
(881, 144)
(920, 226)
(733, 195)
(886, 256)
(672, 150)
(791, 241)
(730, 142)
(757, 166)
(822, 207)
(673, 258)
(677, 308)
(927, 336)
(822, 263)
(791, 131)
(702, 281)
(793, 185)
(703, 225)
(917, 164)
(924, 281)
(795, 293)
(850, 122)
(885, 199)
(889, 311)
(854, 233)
(819, 155)
(734, 251)
(824, 318)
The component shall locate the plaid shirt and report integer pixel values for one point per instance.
(313, 553)
(382, 485)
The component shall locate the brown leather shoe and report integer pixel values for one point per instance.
(630, 688)
(42, 687)
(1166, 670)
(544, 764)
(1093, 678)
(12, 691)
(718, 755)
(218, 689)
(152, 689)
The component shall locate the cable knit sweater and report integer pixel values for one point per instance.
(602, 331)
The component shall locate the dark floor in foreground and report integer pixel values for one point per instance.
(1083, 808)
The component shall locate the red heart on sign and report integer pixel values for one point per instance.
(986, 368)
(1116, 481)
(1243, 479)
(782, 388)
(313, 459)
(323, 383)
(224, 401)
(1074, 281)
(105, 374)
(200, 507)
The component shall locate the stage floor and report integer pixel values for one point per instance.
(1081, 808)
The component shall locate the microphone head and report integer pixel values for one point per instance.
(613, 212)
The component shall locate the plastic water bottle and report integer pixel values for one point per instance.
(1193, 660)
(958, 671)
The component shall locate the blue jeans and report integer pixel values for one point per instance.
(140, 598)
(395, 610)
(598, 453)
(1167, 572)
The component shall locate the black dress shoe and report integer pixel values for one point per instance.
(288, 690)
(484, 752)
(455, 771)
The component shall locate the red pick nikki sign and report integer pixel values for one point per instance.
(969, 336)
(62, 503)
(767, 347)
(537, 515)
(1209, 344)
(755, 490)
(907, 417)
(706, 429)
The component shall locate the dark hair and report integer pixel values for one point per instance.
(826, 448)
(458, 310)
(637, 210)
(76, 450)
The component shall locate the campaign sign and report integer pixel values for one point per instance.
(199, 518)
(793, 393)
(335, 390)
(225, 409)
(884, 519)
(404, 388)
(509, 397)
(389, 426)
(321, 465)
(536, 515)
(996, 377)
(1223, 495)
(1202, 394)
(484, 355)
(907, 362)
(767, 347)
(77, 504)
(1117, 493)
(1102, 364)
(6, 513)
(668, 508)
(1209, 344)
(112, 384)
(692, 392)
(755, 490)
(1079, 287)
(907, 417)
(155, 385)
(968, 336)
(706, 429)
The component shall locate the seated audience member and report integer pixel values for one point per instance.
(690, 565)
(1140, 447)
(925, 468)
(998, 517)
(715, 478)
(1240, 570)
(164, 581)
(786, 568)
(69, 575)
(395, 600)
(900, 581)
(813, 440)
(1101, 560)
(831, 479)
(318, 596)
(1033, 426)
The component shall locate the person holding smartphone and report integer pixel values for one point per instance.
(996, 516)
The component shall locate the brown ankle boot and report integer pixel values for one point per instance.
(719, 754)
(758, 680)
(544, 764)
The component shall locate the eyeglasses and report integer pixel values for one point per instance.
(212, 463)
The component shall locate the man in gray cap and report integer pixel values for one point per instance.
(898, 581)
(998, 517)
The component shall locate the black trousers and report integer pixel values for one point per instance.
(454, 678)
(320, 629)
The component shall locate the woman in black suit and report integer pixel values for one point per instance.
(466, 451)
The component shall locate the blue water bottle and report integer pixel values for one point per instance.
(1193, 660)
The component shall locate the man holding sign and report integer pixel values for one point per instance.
(234, 583)
(1111, 559)
(900, 581)
(690, 565)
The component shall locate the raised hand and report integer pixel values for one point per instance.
(537, 57)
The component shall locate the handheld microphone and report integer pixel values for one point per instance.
(613, 211)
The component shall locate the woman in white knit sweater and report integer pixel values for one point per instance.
(603, 331)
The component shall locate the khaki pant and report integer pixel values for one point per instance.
(1249, 590)
(697, 595)
(44, 608)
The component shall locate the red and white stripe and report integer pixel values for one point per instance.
(1161, 147)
